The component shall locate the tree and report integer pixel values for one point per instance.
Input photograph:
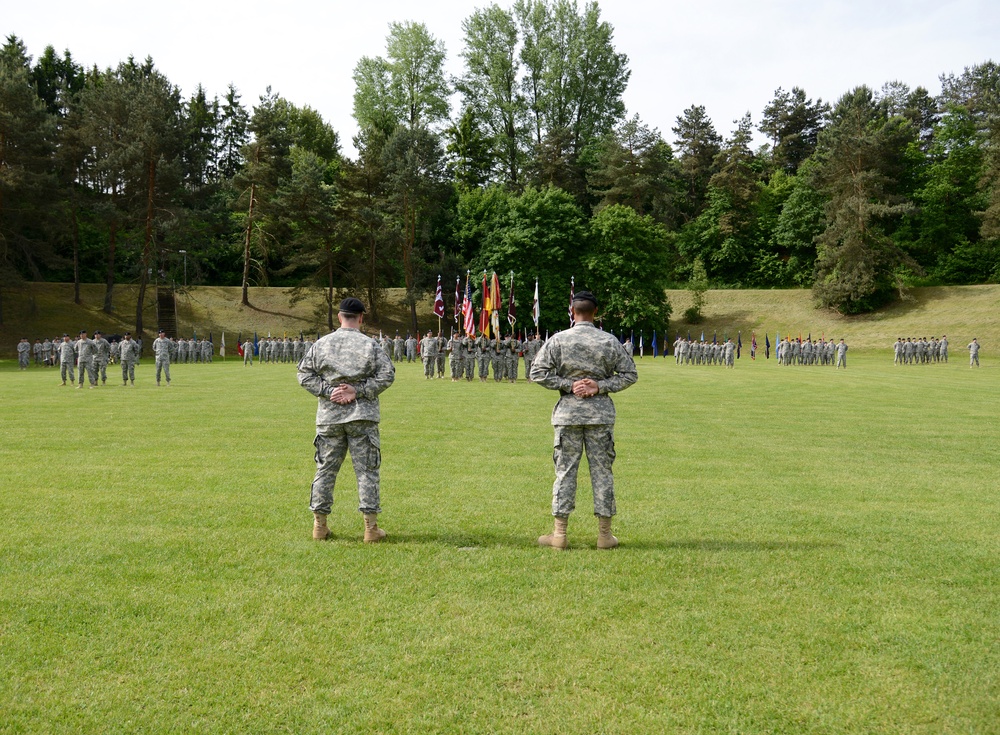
(416, 74)
(636, 167)
(26, 143)
(860, 157)
(470, 152)
(793, 123)
(697, 285)
(233, 134)
(414, 170)
(627, 266)
(490, 87)
(698, 144)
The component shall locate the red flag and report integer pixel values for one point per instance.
(439, 301)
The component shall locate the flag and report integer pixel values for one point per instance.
(654, 343)
(222, 350)
(256, 347)
(739, 344)
(572, 288)
(511, 310)
(767, 347)
(470, 319)
(495, 298)
(439, 301)
(702, 336)
(641, 351)
(535, 309)
(484, 315)
(239, 344)
(715, 338)
(458, 299)
(753, 346)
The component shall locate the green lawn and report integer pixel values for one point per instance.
(803, 551)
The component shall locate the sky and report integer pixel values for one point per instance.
(728, 55)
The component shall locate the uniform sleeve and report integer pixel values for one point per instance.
(625, 374)
(384, 376)
(543, 371)
(310, 378)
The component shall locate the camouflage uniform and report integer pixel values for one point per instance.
(128, 354)
(428, 352)
(23, 354)
(485, 347)
(161, 349)
(499, 345)
(457, 357)
(346, 356)
(512, 358)
(102, 358)
(411, 348)
(583, 352)
(86, 350)
(469, 348)
(67, 353)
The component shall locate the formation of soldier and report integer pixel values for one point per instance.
(810, 352)
(691, 352)
(920, 351)
(281, 349)
(468, 356)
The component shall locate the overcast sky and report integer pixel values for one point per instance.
(728, 55)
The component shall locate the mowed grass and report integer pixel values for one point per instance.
(803, 551)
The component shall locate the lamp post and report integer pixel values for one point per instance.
(185, 254)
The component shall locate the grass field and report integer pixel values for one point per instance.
(803, 551)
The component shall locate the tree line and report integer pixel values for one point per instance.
(113, 176)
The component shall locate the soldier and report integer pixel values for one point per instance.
(128, 355)
(841, 355)
(37, 352)
(48, 348)
(67, 357)
(102, 356)
(585, 365)
(398, 347)
(411, 348)
(531, 347)
(442, 353)
(469, 348)
(347, 371)
(944, 348)
(974, 353)
(512, 358)
(161, 351)
(428, 352)
(248, 353)
(23, 353)
(484, 345)
(86, 351)
(499, 366)
(457, 351)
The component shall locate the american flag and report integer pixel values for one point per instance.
(470, 321)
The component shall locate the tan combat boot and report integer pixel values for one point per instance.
(604, 538)
(320, 531)
(373, 534)
(557, 539)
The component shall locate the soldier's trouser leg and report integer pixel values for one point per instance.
(527, 369)
(66, 367)
(484, 368)
(362, 438)
(91, 374)
(456, 369)
(470, 368)
(102, 371)
(428, 367)
(512, 370)
(567, 451)
(498, 370)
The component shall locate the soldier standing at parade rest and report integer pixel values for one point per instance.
(428, 353)
(102, 356)
(67, 355)
(841, 354)
(23, 353)
(411, 348)
(86, 351)
(585, 365)
(36, 350)
(161, 351)
(347, 371)
(974, 353)
(128, 355)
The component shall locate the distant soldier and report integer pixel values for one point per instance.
(428, 353)
(499, 365)
(841, 355)
(23, 353)
(161, 351)
(67, 359)
(469, 348)
(512, 358)
(442, 353)
(974, 353)
(347, 371)
(128, 356)
(248, 353)
(531, 348)
(86, 353)
(411, 348)
(398, 348)
(484, 345)
(897, 352)
(457, 350)
(37, 352)
(102, 356)
(585, 365)
(944, 348)
(48, 350)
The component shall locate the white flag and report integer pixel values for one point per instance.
(535, 311)
(222, 350)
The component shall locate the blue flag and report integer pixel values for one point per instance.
(654, 343)
(256, 348)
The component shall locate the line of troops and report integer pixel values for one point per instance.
(50, 352)
(914, 351)
(277, 349)
(691, 352)
(469, 356)
(810, 352)
(92, 357)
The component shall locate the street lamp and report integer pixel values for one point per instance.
(185, 254)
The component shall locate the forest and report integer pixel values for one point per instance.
(527, 164)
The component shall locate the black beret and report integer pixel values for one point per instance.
(585, 296)
(351, 305)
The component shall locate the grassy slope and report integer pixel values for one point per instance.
(960, 312)
(804, 551)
